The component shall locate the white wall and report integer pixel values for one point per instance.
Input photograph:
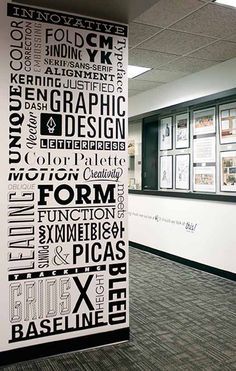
(202, 231)
(165, 223)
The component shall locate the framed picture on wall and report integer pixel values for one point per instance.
(166, 172)
(204, 121)
(166, 130)
(182, 131)
(182, 171)
(204, 149)
(204, 179)
(228, 171)
(227, 123)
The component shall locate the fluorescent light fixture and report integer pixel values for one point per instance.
(227, 2)
(134, 71)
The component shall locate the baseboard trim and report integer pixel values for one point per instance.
(63, 346)
(190, 263)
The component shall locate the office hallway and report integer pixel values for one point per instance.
(181, 319)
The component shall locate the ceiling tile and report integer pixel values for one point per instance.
(211, 20)
(165, 12)
(161, 75)
(176, 42)
(140, 32)
(187, 64)
(142, 85)
(148, 58)
(219, 51)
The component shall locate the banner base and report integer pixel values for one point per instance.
(63, 346)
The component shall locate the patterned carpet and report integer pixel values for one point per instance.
(181, 319)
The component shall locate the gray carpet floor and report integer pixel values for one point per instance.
(181, 319)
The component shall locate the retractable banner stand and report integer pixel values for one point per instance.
(64, 249)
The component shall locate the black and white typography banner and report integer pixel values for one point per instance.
(63, 176)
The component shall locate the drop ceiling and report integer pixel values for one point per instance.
(173, 37)
(180, 37)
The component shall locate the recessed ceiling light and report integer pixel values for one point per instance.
(134, 71)
(226, 2)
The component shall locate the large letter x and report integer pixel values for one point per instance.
(83, 295)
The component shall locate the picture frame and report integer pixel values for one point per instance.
(166, 133)
(227, 123)
(228, 171)
(182, 131)
(204, 121)
(204, 179)
(204, 150)
(166, 172)
(182, 172)
(132, 184)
